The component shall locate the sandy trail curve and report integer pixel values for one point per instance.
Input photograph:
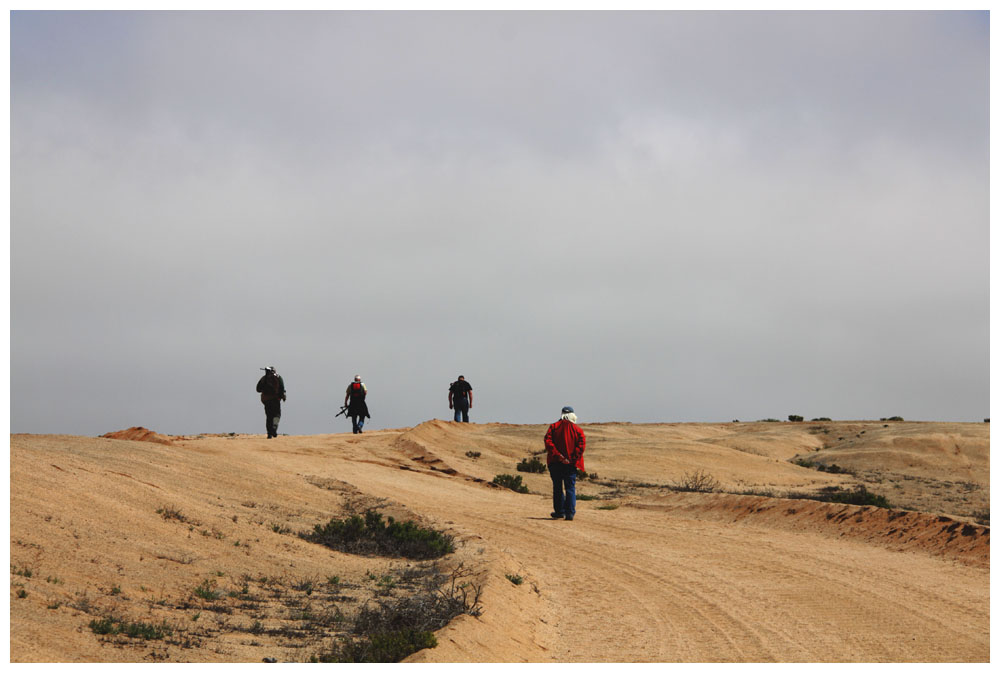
(641, 586)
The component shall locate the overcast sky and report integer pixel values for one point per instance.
(648, 216)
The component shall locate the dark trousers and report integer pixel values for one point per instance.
(272, 410)
(461, 412)
(358, 422)
(563, 489)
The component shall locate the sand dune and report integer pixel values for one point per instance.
(131, 523)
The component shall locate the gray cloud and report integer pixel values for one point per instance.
(650, 216)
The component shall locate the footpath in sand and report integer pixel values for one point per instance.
(132, 527)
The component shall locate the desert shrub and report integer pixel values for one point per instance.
(515, 579)
(859, 496)
(795, 419)
(378, 648)
(820, 419)
(982, 516)
(892, 418)
(207, 591)
(391, 630)
(473, 454)
(169, 512)
(699, 481)
(141, 630)
(511, 482)
(581, 496)
(371, 535)
(534, 465)
(769, 420)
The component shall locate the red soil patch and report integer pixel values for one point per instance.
(139, 434)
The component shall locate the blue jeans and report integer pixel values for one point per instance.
(563, 489)
(461, 413)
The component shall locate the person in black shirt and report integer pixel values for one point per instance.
(460, 399)
(272, 392)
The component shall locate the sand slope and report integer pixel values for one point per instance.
(131, 528)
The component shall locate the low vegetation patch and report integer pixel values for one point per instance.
(473, 454)
(859, 496)
(114, 626)
(697, 481)
(832, 468)
(511, 482)
(533, 465)
(391, 630)
(372, 536)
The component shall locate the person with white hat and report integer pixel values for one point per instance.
(564, 447)
(357, 407)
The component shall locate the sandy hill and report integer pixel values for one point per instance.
(198, 536)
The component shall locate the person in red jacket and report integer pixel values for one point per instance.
(564, 447)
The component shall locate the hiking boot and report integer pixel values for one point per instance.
(555, 516)
(569, 517)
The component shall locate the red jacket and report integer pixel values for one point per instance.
(565, 442)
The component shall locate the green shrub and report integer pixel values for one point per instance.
(391, 630)
(515, 579)
(379, 648)
(534, 465)
(207, 591)
(473, 454)
(795, 419)
(141, 630)
(821, 418)
(372, 536)
(511, 482)
(859, 496)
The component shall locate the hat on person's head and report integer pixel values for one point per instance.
(567, 410)
(357, 377)
(271, 369)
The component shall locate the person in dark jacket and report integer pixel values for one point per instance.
(460, 399)
(357, 407)
(272, 393)
(564, 447)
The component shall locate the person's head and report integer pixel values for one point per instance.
(461, 378)
(270, 371)
(357, 378)
(568, 414)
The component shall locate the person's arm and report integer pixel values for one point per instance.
(449, 398)
(470, 397)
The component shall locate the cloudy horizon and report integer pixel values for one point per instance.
(651, 216)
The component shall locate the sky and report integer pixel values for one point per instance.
(649, 216)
